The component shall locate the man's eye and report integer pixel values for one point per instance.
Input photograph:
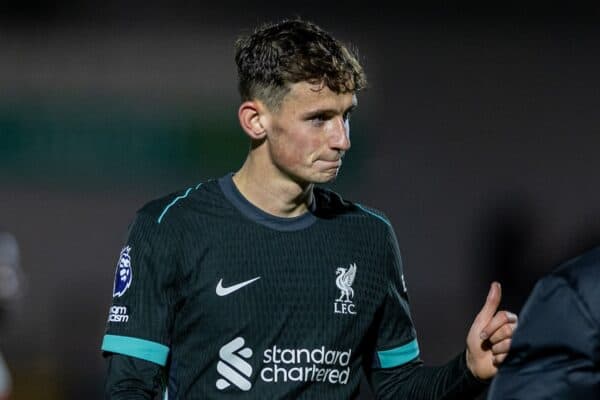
(318, 119)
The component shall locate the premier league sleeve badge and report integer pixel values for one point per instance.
(123, 274)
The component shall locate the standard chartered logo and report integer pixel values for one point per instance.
(281, 365)
(304, 365)
(232, 367)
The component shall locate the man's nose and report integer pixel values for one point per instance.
(341, 135)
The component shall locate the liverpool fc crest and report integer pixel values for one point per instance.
(344, 280)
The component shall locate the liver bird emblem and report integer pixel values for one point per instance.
(344, 282)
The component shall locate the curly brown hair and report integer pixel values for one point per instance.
(278, 55)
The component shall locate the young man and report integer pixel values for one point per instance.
(260, 285)
(550, 360)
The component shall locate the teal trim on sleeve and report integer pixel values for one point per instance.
(373, 214)
(183, 196)
(139, 348)
(171, 204)
(399, 356)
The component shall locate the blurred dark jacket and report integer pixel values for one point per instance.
(555, 352)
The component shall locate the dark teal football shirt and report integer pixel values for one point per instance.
(235, 302)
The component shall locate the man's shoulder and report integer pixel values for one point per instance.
(587, 264)
(178, 204)
(582, 275)
(575, 280)
(330, 203)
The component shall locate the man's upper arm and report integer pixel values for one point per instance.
(395, 346)
(552, 352)
(138, 331)
(396, 370)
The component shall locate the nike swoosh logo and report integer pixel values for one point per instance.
(224, 291)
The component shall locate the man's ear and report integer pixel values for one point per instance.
(249, 114)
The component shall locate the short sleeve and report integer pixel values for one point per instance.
(141, 315)
(396, 342)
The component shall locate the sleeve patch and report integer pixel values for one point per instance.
(123, 274)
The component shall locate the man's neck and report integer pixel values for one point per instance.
(273, 192)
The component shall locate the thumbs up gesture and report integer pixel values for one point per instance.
(489, 338)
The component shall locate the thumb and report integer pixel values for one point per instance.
(491, 305)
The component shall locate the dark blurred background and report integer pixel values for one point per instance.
(479, 137)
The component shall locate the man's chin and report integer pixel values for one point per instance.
(322, 177)
(327, 177)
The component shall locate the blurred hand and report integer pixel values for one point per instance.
(489, 338)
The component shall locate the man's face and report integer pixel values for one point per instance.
(309, 134)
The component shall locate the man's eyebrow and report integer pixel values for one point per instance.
(327, 111)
